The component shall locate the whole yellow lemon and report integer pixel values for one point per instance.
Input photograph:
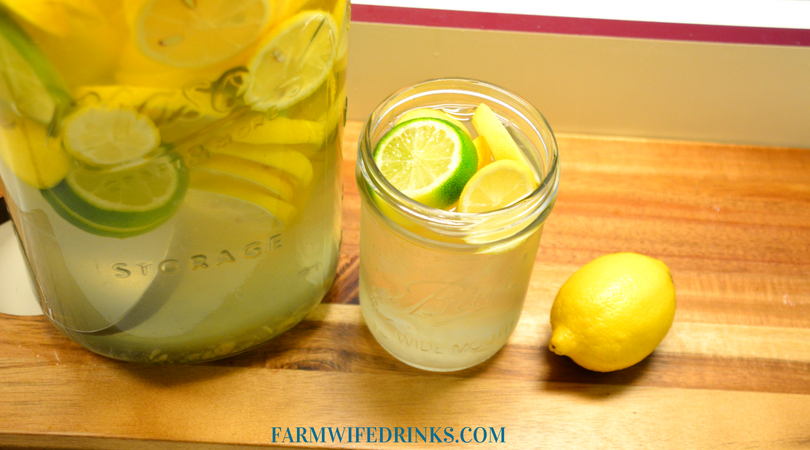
(613, 312)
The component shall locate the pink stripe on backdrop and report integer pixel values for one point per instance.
(577, 26)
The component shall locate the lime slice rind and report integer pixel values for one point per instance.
(107, 219)
(428, 160)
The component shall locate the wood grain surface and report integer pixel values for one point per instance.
(731, 222)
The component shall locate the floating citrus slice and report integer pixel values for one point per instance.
(242, 189)
(124, 202)
(496, 186)
(427, 159)
(102, 136)
(193, 34)
(28, 83)
(291, 162)
(293, 61)
(252, 171)
(282, 130)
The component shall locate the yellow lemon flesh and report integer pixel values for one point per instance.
(33, 155)
(496, 186)
(613, 312)
(197, 34)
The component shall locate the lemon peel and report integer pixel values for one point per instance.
(283, 130)
(487, 124)
(291, 162)
(252, 171)
(484, 152)
(31, 154)
(248, 191)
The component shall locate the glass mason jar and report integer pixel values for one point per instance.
(443, 290)
(172, 167)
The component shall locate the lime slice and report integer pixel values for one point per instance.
(124, 202)
(102, 136)
(500, 142)
(28, 83)
(429, 160)
(30, 153)
(293, 61)
(193, 34)
(496, 186)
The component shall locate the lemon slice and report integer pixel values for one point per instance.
(28, 83)
(282, 130)
(429, 160)
(293, 61)
(487, 124)
(102, 136)
(121, 203)
(236, 187)
(252, 171)
(31, 154)
(291, 162)
(193, 34)
(496, 186)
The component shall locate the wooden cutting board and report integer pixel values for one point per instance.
(731, 222)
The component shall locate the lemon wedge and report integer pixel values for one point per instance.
(487, 124)
(484, 152)
(31, 154)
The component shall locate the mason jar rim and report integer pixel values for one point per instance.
(453, 225)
